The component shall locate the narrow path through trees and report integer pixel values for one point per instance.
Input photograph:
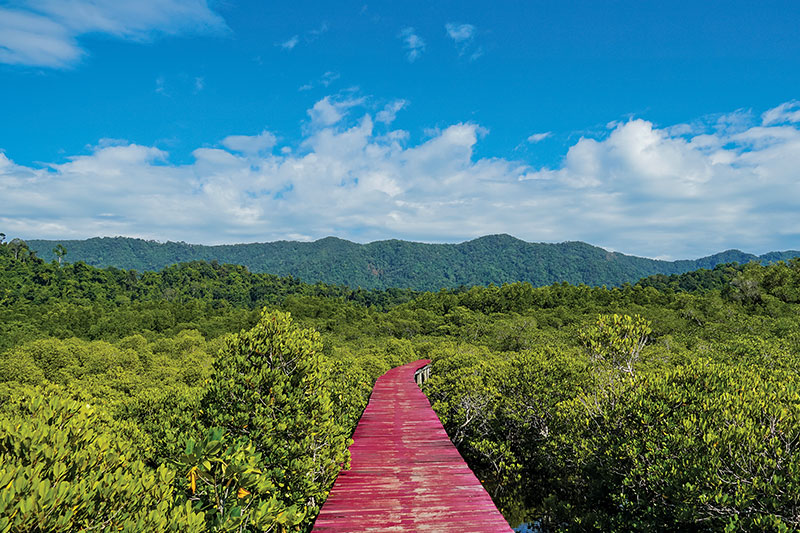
(405, 473)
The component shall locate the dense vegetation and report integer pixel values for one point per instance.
(170, 400)
(125, 403)
(494, 259)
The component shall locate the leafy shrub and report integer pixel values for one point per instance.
(271, 385)
(228, 484)
(703, 446)
(62, 471)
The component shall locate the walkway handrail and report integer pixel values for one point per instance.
(422, 375)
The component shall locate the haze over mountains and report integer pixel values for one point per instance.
(494, 259)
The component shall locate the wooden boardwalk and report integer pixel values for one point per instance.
(405, 473)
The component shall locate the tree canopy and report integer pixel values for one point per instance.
(204, 397)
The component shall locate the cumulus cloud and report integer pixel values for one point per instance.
(45, 33)
(638, 188)
(250, 144)
(413, 43)
(325, 113)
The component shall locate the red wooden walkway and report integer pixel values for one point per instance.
(405, 473)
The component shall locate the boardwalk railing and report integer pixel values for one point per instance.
(422, 375)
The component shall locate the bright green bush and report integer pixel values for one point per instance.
(706, 446)
(20, 367)
(226, 480)
(271, 385)
(615, 341)
(60, 470)
(169, 417)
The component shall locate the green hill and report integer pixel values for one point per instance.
(394, 263)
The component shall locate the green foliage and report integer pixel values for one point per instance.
(59, 251)
(500, 409)
(271, 385)
(169, 416)
(227, 483)
(350, 386)
(704, 446)
(616, 341)
(20, 366)
(497, 259)
(62, 471)
(572, 422)
(115, 371)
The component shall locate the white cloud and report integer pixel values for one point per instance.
(29, 39)
(328, 78)
(538, 137)
(389, 112)
(290, 43)
(325, 113)
(250, 144)
(463, 36)
(328, 111)
(45, 32)
(786, 112)
(637, 188)
(414, 44)
(460, 32)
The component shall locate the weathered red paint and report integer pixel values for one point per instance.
(405, 473)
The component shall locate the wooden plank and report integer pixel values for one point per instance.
(405, 473)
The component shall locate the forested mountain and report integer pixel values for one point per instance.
(494, 259)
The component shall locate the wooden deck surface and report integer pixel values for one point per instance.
(405, 473)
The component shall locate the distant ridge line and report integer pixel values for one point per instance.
(396, 263)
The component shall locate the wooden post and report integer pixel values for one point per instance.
(422, 375)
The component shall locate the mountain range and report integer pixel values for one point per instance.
(494, 259)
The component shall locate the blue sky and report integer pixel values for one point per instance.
(664, 129)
